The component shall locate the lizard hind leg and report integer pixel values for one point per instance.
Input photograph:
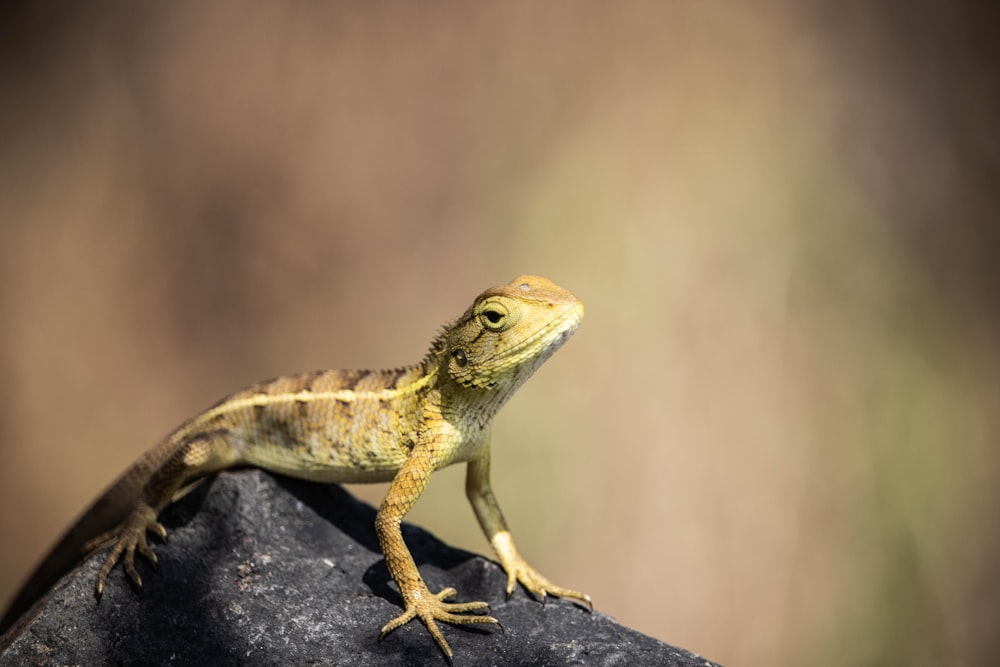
(184, 466)
(128, 538)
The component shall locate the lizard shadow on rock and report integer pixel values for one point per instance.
(356, 519)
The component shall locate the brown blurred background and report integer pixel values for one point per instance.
(774, 439)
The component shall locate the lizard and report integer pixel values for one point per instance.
(352, 426)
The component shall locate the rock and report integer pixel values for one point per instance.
(263, 570)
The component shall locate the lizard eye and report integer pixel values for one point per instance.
(494, 316)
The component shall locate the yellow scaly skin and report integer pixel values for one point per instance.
(353, 426)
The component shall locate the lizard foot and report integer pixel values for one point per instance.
(430, 608)
(128, 538)
(541, 587)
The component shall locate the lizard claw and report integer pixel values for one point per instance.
(430, 608)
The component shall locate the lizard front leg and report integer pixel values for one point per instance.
(419, 602)
(484, 503)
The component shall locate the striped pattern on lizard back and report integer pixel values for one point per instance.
(329, 426)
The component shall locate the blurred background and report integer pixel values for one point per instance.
(773, 441)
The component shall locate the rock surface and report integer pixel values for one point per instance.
(263, 570)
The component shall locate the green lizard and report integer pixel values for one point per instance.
(353, 426)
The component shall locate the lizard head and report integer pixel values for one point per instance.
(508, 332)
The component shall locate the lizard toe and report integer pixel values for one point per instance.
(129, 562)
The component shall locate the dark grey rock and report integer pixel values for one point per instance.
(262, 570)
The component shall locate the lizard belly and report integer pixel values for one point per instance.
(320, 460)
(361, 440)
